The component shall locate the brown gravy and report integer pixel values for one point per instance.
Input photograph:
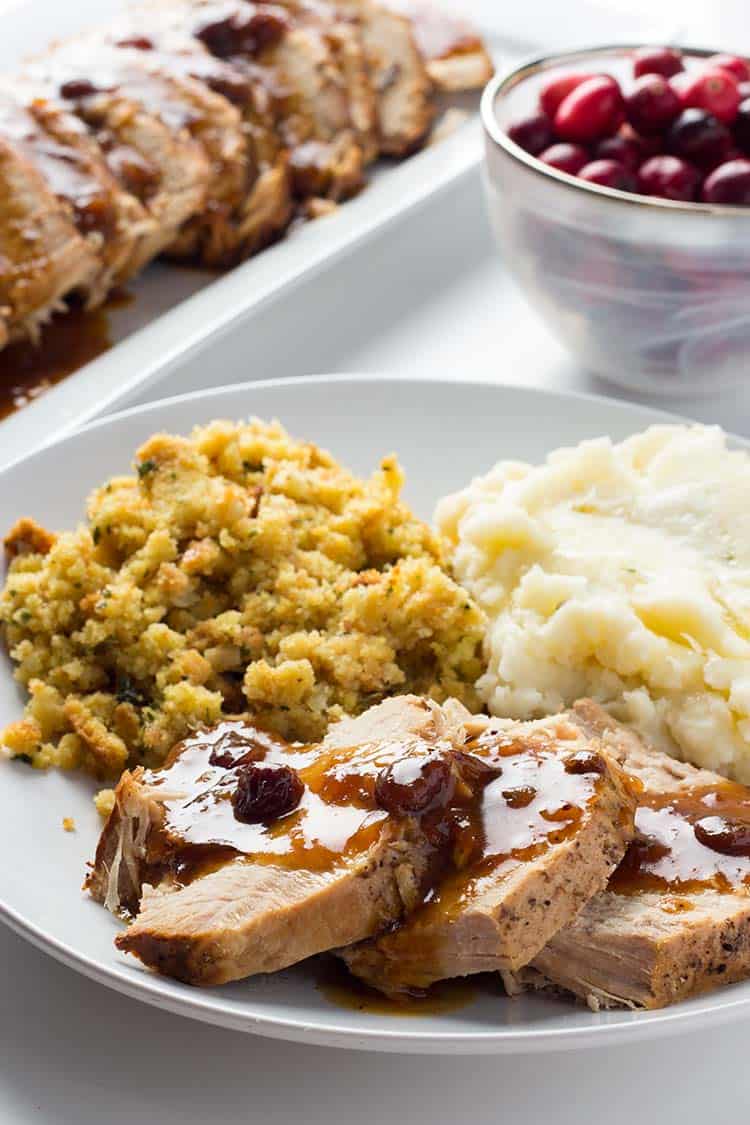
(71, 339)
(334, 981)
(689, 839)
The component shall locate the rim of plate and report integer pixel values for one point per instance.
(337, 1032)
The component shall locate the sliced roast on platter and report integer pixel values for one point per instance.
(675, 918)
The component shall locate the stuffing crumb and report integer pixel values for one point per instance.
(104, 802)
(69, 824)
(238, 571)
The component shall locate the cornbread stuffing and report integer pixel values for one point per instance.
(237, 571)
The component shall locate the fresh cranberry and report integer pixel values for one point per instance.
(266, 792)
(657, 60)
(733, 64)
(698, 137)
(533, 134)
(556, 89)
(621, 149)
(652, 105)
(565, 157)
(609, 173)
(649, 146)
(714, 90)
(668, 177)
(729, 183)
(742, 126)
(592, 110)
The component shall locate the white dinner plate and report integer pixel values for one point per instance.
(444, 433)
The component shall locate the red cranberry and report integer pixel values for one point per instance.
(411, 787)
(556, 89)
(649, 146)
(742, 126)
(619, 148)
(266, 792)
(699, 138)
(533, 134)
(729, 183)
(592, 110)
(565, 157)
(652, 104)
(714, 90)
(609, 173)
(669, 178)
(733, 64)
(657, 60)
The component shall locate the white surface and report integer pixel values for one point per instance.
(355, 419)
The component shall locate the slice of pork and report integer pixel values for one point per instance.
(651, 939)
(454, 54)
(141, 123)
(56, 142)
(555, 823)
(43, 256)
(216, 899)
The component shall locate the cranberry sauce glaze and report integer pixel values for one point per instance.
(236, 789)
(690, 839)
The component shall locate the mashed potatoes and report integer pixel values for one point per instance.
(237, 571)
(621, 572)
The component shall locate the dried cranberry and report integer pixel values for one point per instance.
(652, 105)
(266, 792)
(533, 134)
(723, 835)
(76, 88)
(625, 151)
(609, 173)
(565, 157)
(556, 89)
(698, 137)
(137, 42)
(243, 33)
(413, 786)
(742, 125)
(657, 60)
(590, 111)
(714, 90)
(729, 183)
(519, 797)
(668, 177)
(733, 64)
(585, 761)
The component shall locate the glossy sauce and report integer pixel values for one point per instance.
(337, 817)
(536, 802)
(334, 981)
(62, 167)
(71, 339)
(438, 36)
(667, 854)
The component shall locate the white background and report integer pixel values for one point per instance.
(431, 295)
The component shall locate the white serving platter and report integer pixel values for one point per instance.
(177, 313)
(444, 432)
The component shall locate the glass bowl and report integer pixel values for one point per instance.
(651, 294)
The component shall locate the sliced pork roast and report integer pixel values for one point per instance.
(141, 123)
(261, 209)
(455, 56)
(245, 855)
(43, 256)
(675, 918)
(555, 819)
